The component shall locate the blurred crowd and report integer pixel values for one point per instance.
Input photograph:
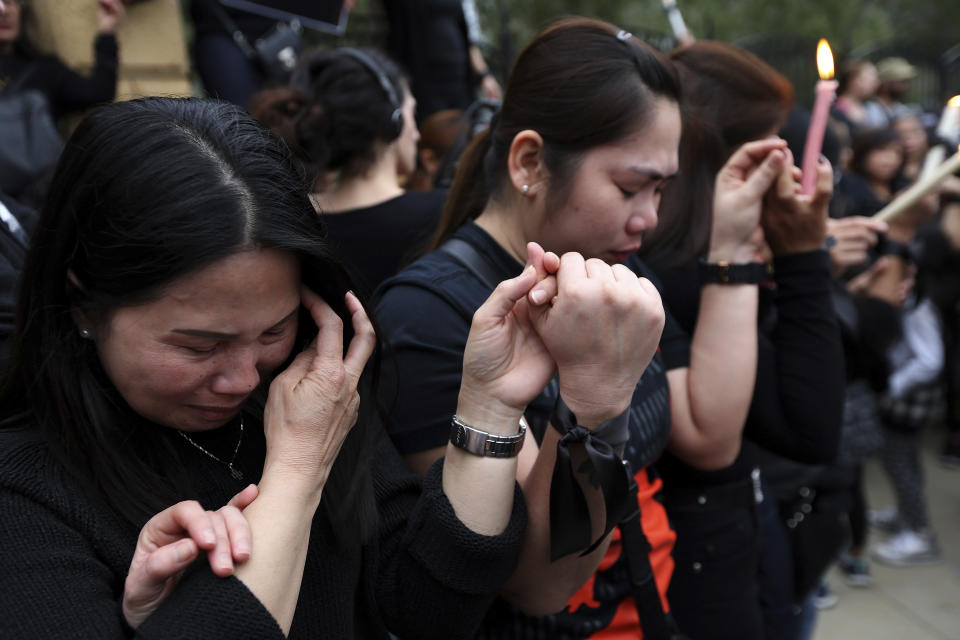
(801, 334)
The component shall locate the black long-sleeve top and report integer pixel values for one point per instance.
(797, 404)
(65, 89)
(64, 556)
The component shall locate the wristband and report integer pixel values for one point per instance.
(570, 529)
(483, 444)
(724, 272)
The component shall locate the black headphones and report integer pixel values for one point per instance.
(397, 116)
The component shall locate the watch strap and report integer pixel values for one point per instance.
(724, 272)
(488, 445)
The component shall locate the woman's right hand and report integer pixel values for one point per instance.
(853, 238)
(173, 539)
(738, 197)
(505, 363)
(313, 405)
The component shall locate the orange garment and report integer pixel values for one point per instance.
(626, 622)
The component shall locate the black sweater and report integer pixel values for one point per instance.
(65, 89)
(797, 402)
(64, 556)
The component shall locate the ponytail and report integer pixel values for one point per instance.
(470, 190)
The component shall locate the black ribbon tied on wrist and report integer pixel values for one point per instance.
(570, 529)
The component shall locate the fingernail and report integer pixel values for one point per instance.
(538, 296)
(823, 159)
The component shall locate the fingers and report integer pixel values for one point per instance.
(329, 325)
(544, 291)
(170, 524)
(824, 184)
(754, 153)
(572, 268)
(221, 556)
(760, 181)
(164, 563)
(535, 257)
(243, 499)
(363, 342)
(238, 533)
(507, 293)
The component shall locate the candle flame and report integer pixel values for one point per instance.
(824, 60)
(954, 101)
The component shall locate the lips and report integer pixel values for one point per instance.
(621, 255)
(216, 412)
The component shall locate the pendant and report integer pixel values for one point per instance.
(236, 473)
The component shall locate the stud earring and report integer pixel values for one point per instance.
(525, 188)
(85, 333)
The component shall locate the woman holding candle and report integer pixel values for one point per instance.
(734, 575)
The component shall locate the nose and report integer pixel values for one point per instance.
(238, 373)
(644, 216)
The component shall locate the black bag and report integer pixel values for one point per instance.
(276, 53)
(30, 144)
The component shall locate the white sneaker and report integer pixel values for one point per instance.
(887, 520)
(907, 548)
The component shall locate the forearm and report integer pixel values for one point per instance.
(710, 406)
(539, 586)
(477, 63)
(280, 520)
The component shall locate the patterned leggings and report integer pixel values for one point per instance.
(901, 461)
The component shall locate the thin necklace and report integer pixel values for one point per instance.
(236, 473)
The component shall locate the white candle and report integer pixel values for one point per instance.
(675, 18)
(921, 188)
(947, 130)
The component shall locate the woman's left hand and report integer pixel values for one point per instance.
(795, 223)
(172, 540)
(110, 14)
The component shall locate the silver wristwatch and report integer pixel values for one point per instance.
(481, 443)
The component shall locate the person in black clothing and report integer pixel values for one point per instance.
(724, 551)
(64, 89)
(350, 117)
(142, 394)
(576, 161)
(437, 42)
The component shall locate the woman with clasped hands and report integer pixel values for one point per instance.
(184, 331)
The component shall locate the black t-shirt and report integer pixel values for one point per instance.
(425, 312)
(797, 402)
(378, 241)
(429, 38)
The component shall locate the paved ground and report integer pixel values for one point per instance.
(915, 603)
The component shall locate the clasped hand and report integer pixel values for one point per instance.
(597, 326)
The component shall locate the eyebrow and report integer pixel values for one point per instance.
(215, 335)
(653, 174)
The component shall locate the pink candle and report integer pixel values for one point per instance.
(826, 92)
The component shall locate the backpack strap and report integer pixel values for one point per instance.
(656, 623)
(467, 255)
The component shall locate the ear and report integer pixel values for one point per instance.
(525, 162)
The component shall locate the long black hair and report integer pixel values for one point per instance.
(580, 84)
(148, 191)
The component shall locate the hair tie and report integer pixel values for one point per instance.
(623, 36)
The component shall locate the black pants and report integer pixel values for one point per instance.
(714, 591)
